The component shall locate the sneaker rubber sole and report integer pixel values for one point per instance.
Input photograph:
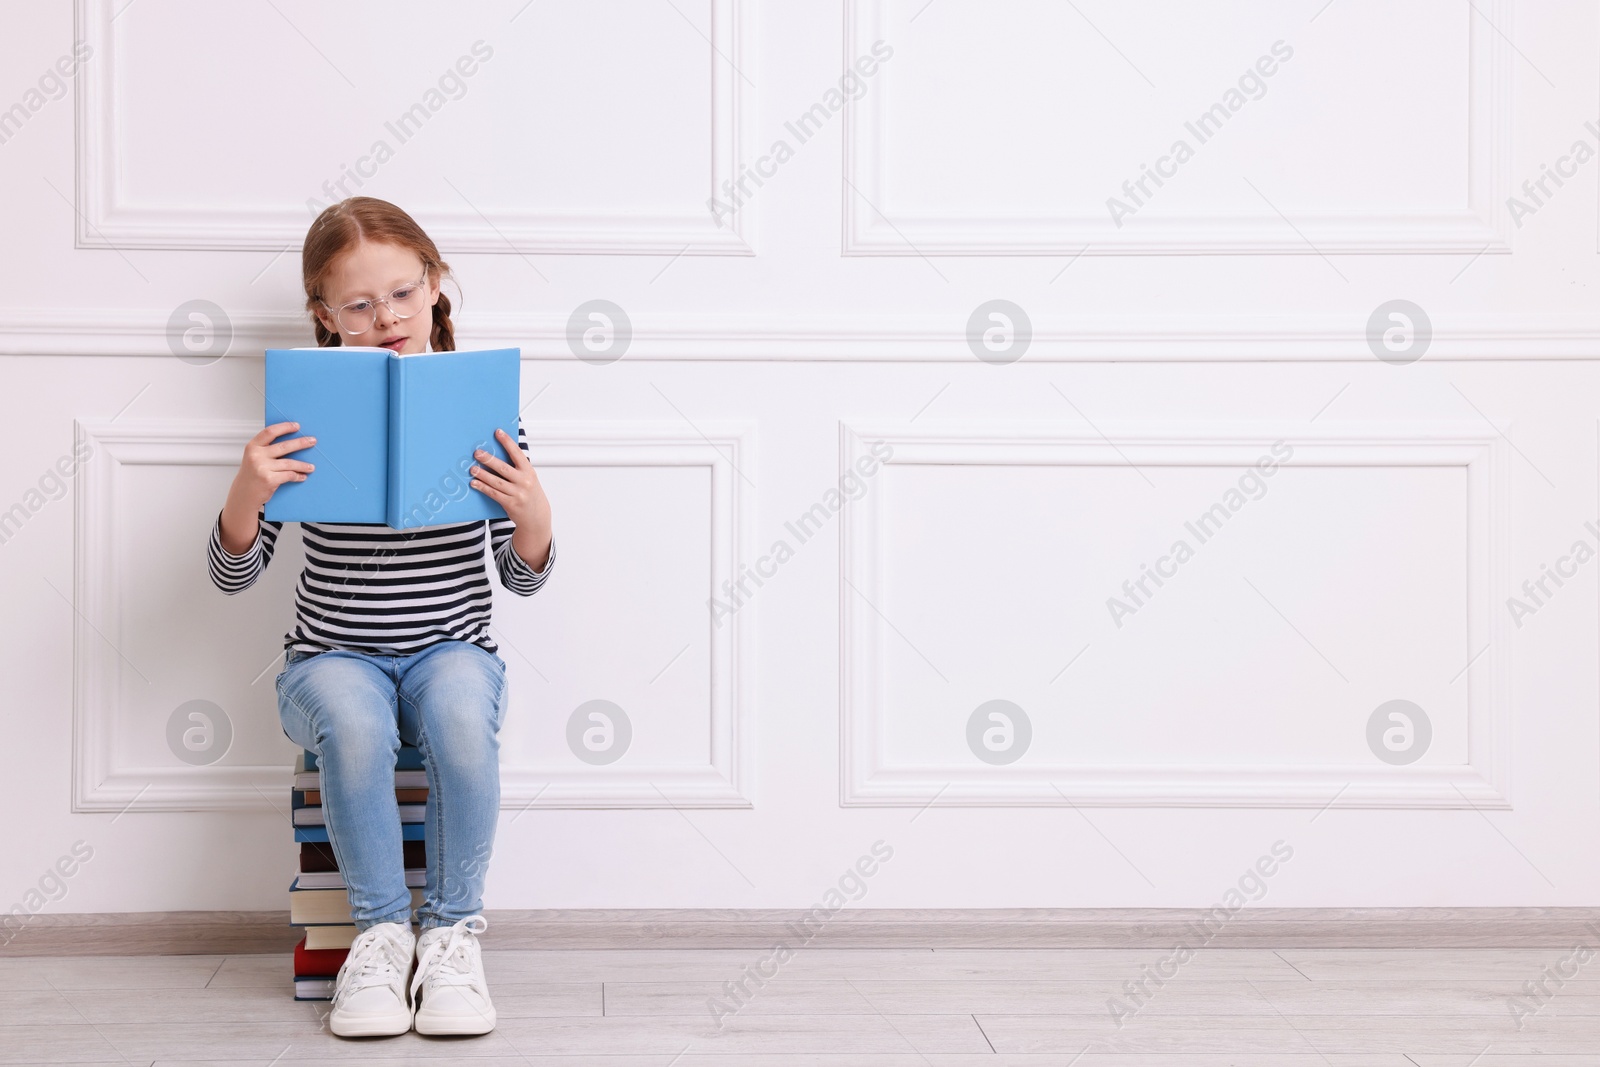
(390, 1025)
(441, 1025)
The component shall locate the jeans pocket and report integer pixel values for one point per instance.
(290, 713)
(501, 699)
(289, 659)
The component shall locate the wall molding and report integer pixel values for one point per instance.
(221, 932)
(102, 781)
(106, 218)
(867, 779)
(725, 448)
(1481, 226)
(925, 338)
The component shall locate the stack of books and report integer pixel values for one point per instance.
(318, 901)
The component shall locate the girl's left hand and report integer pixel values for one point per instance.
(514, 486)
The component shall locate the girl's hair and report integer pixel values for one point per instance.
(340, 228)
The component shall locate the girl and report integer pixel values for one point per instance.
(391, 642)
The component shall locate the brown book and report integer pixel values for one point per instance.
(325, 937)
(318, 855)
(328, 906)
(313, 797)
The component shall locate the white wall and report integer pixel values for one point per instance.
(1170, 747)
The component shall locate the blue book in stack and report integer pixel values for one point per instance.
(319, 902)
(395, 434)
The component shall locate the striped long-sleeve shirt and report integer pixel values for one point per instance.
(370, 588)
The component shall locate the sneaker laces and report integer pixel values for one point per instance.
(453, 959)
(378, 956)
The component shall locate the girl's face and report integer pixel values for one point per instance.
(368, 271)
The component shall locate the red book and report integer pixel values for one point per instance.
(317, 963)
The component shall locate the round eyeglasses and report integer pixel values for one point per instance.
(358, 316)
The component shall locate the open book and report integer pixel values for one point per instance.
(395, 433)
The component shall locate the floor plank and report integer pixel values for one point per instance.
(719, 965)
(1274, 1033)
(1184, 996)
(108, 972)
(1514, 964)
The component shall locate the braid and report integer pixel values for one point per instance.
(443, 337)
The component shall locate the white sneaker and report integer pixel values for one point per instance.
(370, 997)
(455, 994)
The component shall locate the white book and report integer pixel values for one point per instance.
(312, 816)
(415, 876)
(313, 988)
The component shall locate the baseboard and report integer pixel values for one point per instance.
(147, 933)
(235, 932)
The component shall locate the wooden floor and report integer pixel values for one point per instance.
(1245, 1007)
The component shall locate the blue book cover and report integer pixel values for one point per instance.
(409, 831)
(395, 433)
(442, 406)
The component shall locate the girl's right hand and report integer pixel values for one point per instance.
(263, 468)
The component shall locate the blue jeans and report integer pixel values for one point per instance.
(353, 709)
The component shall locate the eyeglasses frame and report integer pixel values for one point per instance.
(384, 300)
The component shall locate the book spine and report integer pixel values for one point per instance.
(272, 510)
(395, 498)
